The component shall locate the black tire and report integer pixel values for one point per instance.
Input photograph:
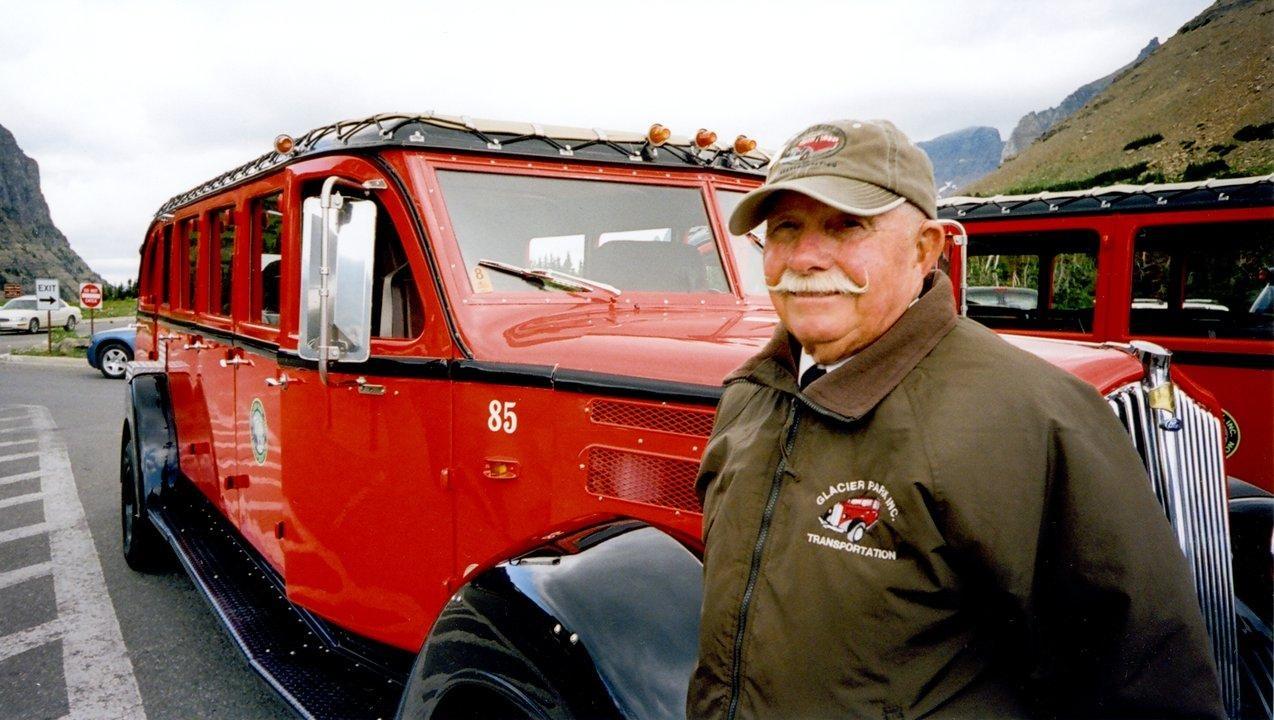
(111, 357)
(70, 322)
(144, 549)
(33, 327)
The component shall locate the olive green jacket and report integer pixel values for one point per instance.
(944, 526)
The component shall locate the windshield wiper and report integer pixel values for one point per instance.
(544, 276)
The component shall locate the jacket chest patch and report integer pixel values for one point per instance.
(849, 512)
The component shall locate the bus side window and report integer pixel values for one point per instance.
(266, 260)
(1033, 281)
(166, 278)
(396, 308)
(220, 270)
(189, 238)
(1208, 280)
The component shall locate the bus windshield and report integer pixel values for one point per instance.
(643, 238)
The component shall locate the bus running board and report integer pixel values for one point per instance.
(321, 672)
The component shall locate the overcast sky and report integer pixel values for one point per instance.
(125, 104)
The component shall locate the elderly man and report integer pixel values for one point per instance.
(929, 522)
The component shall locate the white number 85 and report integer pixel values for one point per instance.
(502, 417)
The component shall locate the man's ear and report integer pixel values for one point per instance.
(929, 242)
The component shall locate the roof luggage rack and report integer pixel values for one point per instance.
(461, 133)
(1230, 192)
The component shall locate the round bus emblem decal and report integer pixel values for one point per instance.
(257, 427)
(1232, 435)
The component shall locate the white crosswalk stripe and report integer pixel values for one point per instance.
(19, 477)
(30, 639)
(20, 499)
(25, 531)
(22, 574)
(18, 456)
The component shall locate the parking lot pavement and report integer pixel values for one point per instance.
(61, 650)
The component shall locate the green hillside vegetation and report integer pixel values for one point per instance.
(1198, 107)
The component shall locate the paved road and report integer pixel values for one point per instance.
(82, 635)
(12, 340)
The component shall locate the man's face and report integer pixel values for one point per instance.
(887, 254)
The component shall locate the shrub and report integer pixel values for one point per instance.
(1144, 141)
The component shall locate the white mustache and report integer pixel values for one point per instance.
(823, 281)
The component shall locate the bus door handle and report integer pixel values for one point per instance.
(281, 381)
(236, 360)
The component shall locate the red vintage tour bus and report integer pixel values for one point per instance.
(423, 398)
(1188, 266)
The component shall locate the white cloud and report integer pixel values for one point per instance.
(125, 104)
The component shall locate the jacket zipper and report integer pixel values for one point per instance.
(754, 573)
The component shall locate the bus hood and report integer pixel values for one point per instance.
(700, 345)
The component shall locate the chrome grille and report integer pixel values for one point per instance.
(1188, 475)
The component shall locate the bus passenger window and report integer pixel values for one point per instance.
(164, 279)
(220, 273)
(1209, 280)
(1033, 281)
(190, 239)
(266, 259)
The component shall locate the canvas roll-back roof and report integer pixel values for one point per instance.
(1204, 194)
(460, 133)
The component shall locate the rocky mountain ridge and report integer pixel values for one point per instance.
(1034, 124)
(962, 156)
(30, 245)
(1197, 107)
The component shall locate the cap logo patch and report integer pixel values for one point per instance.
(815, 142)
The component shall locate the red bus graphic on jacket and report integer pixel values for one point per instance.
(852, 517)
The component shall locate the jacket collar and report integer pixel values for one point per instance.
(853, 389)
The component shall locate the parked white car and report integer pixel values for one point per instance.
(22, 314)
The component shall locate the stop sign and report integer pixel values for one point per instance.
(90, 295)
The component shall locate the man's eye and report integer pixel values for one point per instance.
(846, 225)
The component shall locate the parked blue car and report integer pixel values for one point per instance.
(109, 350)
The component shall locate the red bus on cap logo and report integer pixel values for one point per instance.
(818, 140)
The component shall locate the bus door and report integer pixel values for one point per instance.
(367, 451)
(258, 482)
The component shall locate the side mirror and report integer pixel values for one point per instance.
(336, 304)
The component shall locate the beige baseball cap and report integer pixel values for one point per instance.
(862, 167)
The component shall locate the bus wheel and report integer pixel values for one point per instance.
(144, 549)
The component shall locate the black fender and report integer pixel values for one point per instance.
(149, 419)
(1251, 511)
(610, 630)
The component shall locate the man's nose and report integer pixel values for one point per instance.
(810, 253)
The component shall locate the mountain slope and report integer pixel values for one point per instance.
(1197, 107)
(1036, 123)
(30, 245)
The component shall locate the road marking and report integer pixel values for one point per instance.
(99, 676)
(5, 431)
(24, 532)
(15, 418)
(30, 639)
(17, 442)
(10, 479)
(20, 499)
(22, 574)
(18, 456)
